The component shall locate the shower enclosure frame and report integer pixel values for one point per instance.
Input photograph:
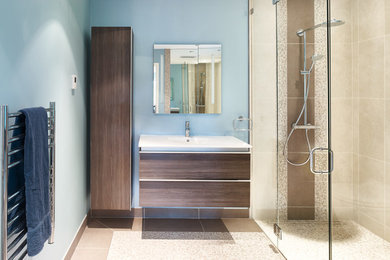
(329, 134)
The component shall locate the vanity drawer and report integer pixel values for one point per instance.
(194, 194)
(194, 166)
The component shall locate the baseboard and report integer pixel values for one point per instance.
(103, 213)
(185, 213)
(76, 239)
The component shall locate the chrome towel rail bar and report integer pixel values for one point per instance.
(14, 236)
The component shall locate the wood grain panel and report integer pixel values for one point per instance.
(194, 194)
(110, 115)
(194, 166)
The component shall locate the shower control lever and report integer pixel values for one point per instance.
(305, 127)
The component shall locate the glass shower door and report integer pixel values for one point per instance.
(303, 113)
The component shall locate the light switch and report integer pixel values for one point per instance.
(74, 82)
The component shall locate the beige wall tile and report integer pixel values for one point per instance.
(342, 9)
(264, 112)
(387, 16)
(342, 195)
(264, 186)
(264, 140)
(371, 19)
(371, 224)
(387, 130)
(355, 20)
(387, 198)
(341, 70)
(342, 213)
(355, 70)
(264, 27)
(387, 67)
(343, 168)
(355, 126)
(371, 68)
(371, 188)
(355, 186)
(371, 128)
(264, 70)
(342, 125)
(387, 234)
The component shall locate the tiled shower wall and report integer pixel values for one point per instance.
(361, 113)
(302, 196)
(300, 181)
(371, 114)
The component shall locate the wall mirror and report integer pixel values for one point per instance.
(187, 79)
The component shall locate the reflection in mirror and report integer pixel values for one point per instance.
(187, 79)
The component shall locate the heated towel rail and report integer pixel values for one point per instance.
(14, 230)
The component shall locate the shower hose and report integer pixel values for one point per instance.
(304, 107)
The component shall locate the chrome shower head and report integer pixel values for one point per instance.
(333, 22)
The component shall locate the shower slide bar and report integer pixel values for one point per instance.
(14, 236)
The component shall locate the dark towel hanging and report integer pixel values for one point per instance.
(36, 174)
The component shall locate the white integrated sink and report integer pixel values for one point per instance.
(176, 143)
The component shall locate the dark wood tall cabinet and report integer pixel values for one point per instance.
(111, 119)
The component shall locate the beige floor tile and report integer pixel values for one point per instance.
(241, 225)
(116, 223)
(95, 238)
(90, 254)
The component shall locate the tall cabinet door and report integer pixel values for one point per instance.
(111, 118)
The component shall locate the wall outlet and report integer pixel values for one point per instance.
(74, 82)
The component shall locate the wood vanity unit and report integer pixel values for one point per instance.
(194, 179)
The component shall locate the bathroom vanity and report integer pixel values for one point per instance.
(199, 171)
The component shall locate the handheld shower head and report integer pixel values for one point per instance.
(316, 57)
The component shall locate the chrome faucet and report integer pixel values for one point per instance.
(187, 129)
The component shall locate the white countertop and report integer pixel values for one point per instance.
(176, 143)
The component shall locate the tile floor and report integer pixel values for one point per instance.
(218, 236)
(309, 240)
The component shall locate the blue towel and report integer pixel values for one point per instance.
(36, 174)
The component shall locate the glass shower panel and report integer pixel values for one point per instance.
(264, 116)
(360, 130)
(303, 120)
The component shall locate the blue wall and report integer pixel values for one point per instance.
(42, 43)
(182, 21)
